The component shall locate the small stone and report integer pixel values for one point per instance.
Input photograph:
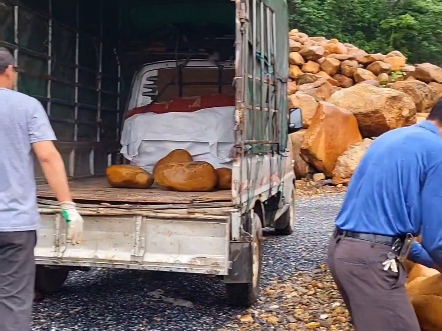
(335, 305)
(246, 319)
(272, 320)
(319, 176)
(313, 325)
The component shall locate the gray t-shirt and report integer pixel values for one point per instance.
(23, 121)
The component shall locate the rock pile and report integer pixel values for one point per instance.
(348, 97)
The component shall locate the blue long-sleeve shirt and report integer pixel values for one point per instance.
(397, 189)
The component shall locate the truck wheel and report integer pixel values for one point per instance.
(246, 294)
(50, 280)
(284, 225)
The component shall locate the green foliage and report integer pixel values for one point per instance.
(410, 26)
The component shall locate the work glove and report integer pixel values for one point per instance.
(74, 222)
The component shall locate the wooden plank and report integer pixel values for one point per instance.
(98, 190)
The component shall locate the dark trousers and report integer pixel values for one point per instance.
(376, 299)
(17, 277)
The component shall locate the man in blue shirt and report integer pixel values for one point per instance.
(395, 191)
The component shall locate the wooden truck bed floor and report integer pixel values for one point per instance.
(97, 190)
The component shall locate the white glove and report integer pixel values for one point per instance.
(74, 222)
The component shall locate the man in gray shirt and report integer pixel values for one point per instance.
(24, 128)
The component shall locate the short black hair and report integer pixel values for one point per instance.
(6, 59)
(436, 112)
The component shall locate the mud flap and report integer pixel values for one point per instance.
(240, 270)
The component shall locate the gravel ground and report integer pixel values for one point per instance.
(298, 293)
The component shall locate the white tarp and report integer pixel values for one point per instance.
(207, 134)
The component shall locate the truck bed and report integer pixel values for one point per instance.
(97, 190)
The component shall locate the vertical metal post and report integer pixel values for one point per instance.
(16, 42)
(118, 95)
(77, 60)
(100, 72)
(270, 78)
(262, 51)
(246, 60)
(49, 82)
(275, 125)
(253, 110)
(245, 74)
(119, 115)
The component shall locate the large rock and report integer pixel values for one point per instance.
(291, 88)
(307, 78)
(128, 176)
(301, 167)
(224, 176)
(321, 90)
(379, 67)
(424, 96)
(421, 271)
(323, 74)
(425, 294)
(396, 53)
(296, 59)
(437, 87)
(396, 62)
(177, 155)
(343, 81)
(349, 67)
(363, 75)
(348, 161)
(370, 58)
(311, 67)
(330, 133)
(335, 47)
(428, 72)
(312, 53)
(294, 46)
(307, 104)
(294, 72)
(330, 66)
(377, 110)
(197, 176)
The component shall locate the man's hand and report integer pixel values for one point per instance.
(74, 222)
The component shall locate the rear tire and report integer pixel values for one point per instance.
(246, 294)
(284, 226)
(50, 280)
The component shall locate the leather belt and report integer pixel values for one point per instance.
(376, 238)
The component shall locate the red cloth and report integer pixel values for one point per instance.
(185, 105)
(179, 105)
(217, 100)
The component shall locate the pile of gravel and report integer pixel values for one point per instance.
(120, 300)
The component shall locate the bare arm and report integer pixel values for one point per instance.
(53, 169)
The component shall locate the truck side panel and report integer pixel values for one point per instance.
(263, 166)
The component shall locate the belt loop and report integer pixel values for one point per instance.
(373, 240)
